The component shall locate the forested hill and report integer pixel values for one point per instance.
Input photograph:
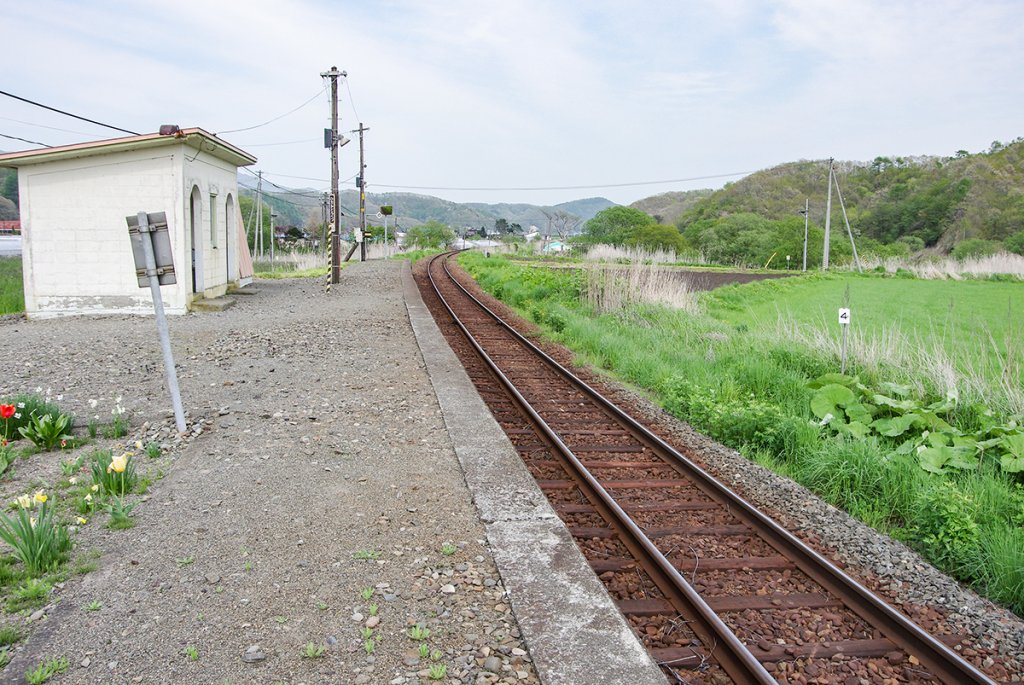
(302, 206)
(938, 201)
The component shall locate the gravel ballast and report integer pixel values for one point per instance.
(317, 468)
(993, 637)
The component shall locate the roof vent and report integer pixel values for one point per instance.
(169, 130)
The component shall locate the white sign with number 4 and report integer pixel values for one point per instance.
(844, 317)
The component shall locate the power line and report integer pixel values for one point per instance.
(52, 128)
(351, 100)
(586, 187)
(69, 114)
(25, 140)
(249, 128)
(287, 142)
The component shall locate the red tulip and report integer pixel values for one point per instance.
(6, 411)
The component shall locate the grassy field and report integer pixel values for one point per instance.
(931, 333)
(729, 368)
(12, 288)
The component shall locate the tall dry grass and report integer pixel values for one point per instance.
(950, 268)
(610, 288)
(991, 377)
(290, 260)
(613, 253)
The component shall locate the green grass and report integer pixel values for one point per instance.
(732, 375)
(12, 287)
(975, 325)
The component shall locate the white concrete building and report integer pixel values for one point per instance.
(77, 256)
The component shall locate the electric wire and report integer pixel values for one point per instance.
(25, 140)
(291, 111)
(69, 114)
(52, 128)
(351, 100)
(582, 187)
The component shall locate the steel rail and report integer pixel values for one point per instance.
(733, 656)
(942, 661)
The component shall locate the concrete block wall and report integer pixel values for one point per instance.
(78, 256)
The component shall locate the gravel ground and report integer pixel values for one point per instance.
(316, 465)
(993, 636)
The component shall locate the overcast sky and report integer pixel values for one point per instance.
(463, 94)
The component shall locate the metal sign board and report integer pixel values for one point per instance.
(161, 248)
(844, 317)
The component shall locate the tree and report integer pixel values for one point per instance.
(432, 235)
(658, 237)
(9, 185)
(613, 226)
(1015, 243)
(561, 222)
(246, 205)
(501, 226)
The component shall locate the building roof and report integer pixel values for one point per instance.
(195, 138)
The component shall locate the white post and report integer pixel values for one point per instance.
(385, 236)
(161, 321)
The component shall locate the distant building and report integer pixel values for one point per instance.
(74, 199)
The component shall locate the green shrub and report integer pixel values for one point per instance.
(975, 247)
(947, 529)
(1015, 243)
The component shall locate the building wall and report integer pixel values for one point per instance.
(217, 184)
(77, 253)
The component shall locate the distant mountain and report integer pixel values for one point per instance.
(587, 208)
(301, 206)
(666, 208)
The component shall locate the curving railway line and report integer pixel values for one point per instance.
(717, 591)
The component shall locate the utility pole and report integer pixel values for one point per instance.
(806, 213)
(257, 243)
(273, 238)
(828, 217)
(362, 192)
(332, 140)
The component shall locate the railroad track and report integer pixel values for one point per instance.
(717, 591)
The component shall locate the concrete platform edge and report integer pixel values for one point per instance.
(573, 629)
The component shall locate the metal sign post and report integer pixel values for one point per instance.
(154, 266)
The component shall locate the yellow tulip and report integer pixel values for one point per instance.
(73, 480)
(82, 521)
(95, 487)
(118, 464)
(88, 498)
(25, 502)
(40, 497)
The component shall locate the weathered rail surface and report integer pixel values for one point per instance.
(717, 590)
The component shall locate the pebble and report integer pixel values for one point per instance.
(492, 664)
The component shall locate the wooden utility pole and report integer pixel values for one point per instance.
(362, 192)
(257, 240)
(332, 139)
(828, 218)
